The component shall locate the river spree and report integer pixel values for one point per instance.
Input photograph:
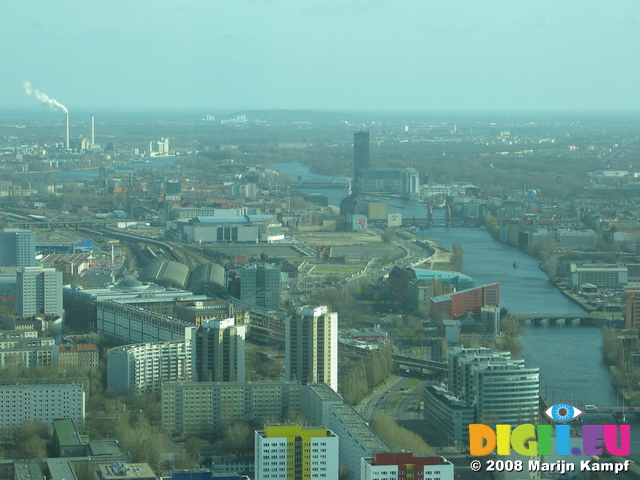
(569, 358)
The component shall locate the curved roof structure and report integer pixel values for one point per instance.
(166, 273)
(460, 280)
(131, 284)
(207, 278)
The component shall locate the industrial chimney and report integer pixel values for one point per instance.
(93, 131)
(67, 144)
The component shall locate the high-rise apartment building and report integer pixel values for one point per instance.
(39, 291)
(284, 452)
(17, 248)
(219, 347)
(360, 155)
(312, 346)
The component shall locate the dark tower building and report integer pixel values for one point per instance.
(360, 156)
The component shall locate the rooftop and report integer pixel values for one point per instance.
(66, 432)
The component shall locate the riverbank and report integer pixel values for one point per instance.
(571, 296)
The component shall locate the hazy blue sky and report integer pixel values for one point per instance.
(508, 55)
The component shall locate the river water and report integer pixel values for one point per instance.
(569, 358)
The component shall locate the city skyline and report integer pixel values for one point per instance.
(328, 55)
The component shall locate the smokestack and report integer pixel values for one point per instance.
(67, 114)
(44, 99)
(93, 131)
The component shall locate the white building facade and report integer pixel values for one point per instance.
(283, 452)
(45, 403)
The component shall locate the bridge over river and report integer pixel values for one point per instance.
(566, 319)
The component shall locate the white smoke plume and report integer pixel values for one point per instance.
(43, 98)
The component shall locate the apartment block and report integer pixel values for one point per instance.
(17, 248)
(357, 440)
(144, 367)
(219, 347)
(81, 355)
(317, 400)
(45, 402)
(405, 465)
(312, 346)
(27, 352)
(196, 408)
(39, 291)
(284, 452)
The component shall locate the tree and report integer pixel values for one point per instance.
(33, 448)
(456, 257)
(387, 236)
(398, 437)
(145, 443)
(237, 438)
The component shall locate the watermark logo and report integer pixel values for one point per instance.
(531, 440)
(563, 412)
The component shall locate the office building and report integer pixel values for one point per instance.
(17, 248)
(39, 291)
(256, 284)
(405, 465)
(284, 452)
(380, 180)
(502, 390)
(144, 367)
(200, 311)
(459, 304)
(410, 185)
(66, 439)
(311, 338)
(449, 415)
(608, 276)
(360, 155)
(219, 347)
(193, 408)
(123, 324)
(81, 304)
(44, 402)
